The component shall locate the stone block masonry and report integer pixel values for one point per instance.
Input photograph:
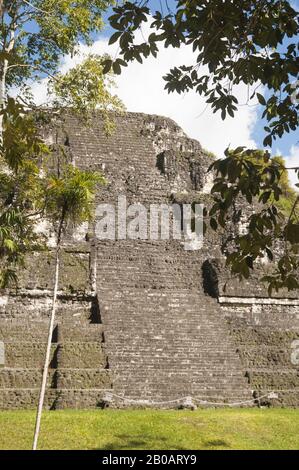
(266, 335)
(143, 322)
(2, 354)
(78, 375)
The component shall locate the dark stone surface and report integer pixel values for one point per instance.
(139, 316)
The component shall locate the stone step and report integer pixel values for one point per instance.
(204, 334)
(38, 309)
(197, 367)
(163, 306)
(276, 378)
(69, 354)
(37, 331)
(266, 356)
(57, 378)
(16, 330)
(161, 295)
(95, 398)
(83, 378)
(69, 331)
(22, 399)
(265, 336)
(196, 359)
(16, 378)
(28, 354)
(206, 337)
(282, 398)
(81, 355)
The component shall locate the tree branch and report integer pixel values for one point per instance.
(48, 13)
(293, 209)
(34, 67)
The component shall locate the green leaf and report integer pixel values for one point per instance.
(9, 244)
(261, 99)
(292, 233)
(268, 141)
(116, 68)
(213, 224)
(115, 37)
(107, 66)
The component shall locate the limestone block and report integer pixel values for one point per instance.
(2, 354)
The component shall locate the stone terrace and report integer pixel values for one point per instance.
(144, 317)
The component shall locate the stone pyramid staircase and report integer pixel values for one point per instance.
(77, 375)
(165, 338)
(265, 349)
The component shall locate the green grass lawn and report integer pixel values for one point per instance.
(148, 429)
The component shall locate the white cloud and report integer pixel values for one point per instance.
(293, 161)
(39, 90)
(141, 88)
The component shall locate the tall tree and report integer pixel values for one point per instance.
(254, 42)
(34, 37)
(21, 189)
(69, 200)
(35, 34)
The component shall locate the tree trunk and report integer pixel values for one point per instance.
(2, 98)
(2, 78)
(49, 342)
(7, 48)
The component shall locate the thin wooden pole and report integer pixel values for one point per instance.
(49, 342)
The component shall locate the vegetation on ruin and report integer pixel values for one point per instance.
(34, 37)
(208, 153)
(252, 42)
(84, 89)
(229, 429)
(270, 232)
(21, 189)
(68, 200)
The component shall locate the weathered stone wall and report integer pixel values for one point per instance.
(145, 316)
(266, 335)
(78, 375)
(75, 275)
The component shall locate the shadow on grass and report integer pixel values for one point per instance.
(140, 442)
(216, 443)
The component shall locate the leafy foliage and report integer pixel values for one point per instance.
(254, 42)
(252, 176)
(238, 42)
(34, 35)
(38, 32)
(20, 188)
(85, 89)
(69, 196)
(287, 200)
